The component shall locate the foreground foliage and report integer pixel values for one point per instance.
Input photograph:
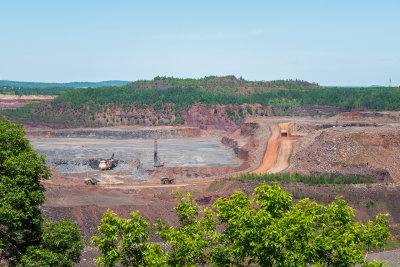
(267, 230)
(61, 245)
(22, 237)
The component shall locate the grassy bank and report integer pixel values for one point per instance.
(306, 179)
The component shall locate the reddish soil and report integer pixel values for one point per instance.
(15, 101)
(274, 149)
(369, 116)
(249, 143)
(71, 199)
(322, 149)
(283, 157)
(354, 151)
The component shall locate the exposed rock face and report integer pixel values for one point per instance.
(315, 110)
(359, 151)
(167, 132)
(213, 117)
(246, 131)
(370, 116)
(16, 101)
(208, 117)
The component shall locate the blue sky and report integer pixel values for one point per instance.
(328, 42)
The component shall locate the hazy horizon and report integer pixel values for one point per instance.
(340, 43)
(323, 85)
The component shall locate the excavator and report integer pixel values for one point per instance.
(107, 164)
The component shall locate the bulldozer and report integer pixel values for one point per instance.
(91, 181)
(167, 180)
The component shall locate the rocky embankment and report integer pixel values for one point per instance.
(350, 151)
(248, 142)
(370, 116)
(239, 140)
(315, 110)
(121, 133)
(16, 101)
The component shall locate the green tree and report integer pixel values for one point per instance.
(270, 230)
(21, 193)
(61, 245)
(125, 241)
(266, 230)
(192, 237)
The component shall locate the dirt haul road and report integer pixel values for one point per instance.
(284, 153)
(279, 149)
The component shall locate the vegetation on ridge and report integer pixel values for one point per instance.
(7, 90)
(306, 179)
(36, 85)
(223, 84)
(163, 100)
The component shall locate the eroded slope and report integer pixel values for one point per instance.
(359, 151)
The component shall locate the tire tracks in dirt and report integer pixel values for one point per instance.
(279, 150)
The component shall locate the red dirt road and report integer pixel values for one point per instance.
(277, 145)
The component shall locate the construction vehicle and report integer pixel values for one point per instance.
(167, 180)
(107, 164)
(91, 181)
(157, 161)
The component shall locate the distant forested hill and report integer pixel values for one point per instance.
(211, 100)
(5, 83)
(223, 84)
(38, 88)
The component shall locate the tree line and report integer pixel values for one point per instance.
(371, 98)
(10, 90)
(81, 107)
(224, 81)
(321, 179)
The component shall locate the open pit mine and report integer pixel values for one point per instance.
(349, 144)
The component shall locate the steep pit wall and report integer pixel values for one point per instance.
(315, 110)
(16, 101)
(353, 151)
(370, 116)
(121, 133)
(248, 142)
(239, 138)
(208, 117)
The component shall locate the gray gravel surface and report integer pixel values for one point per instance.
(74, 155)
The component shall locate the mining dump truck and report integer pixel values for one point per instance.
(91, 181)
(167, 180)
(107, 164)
